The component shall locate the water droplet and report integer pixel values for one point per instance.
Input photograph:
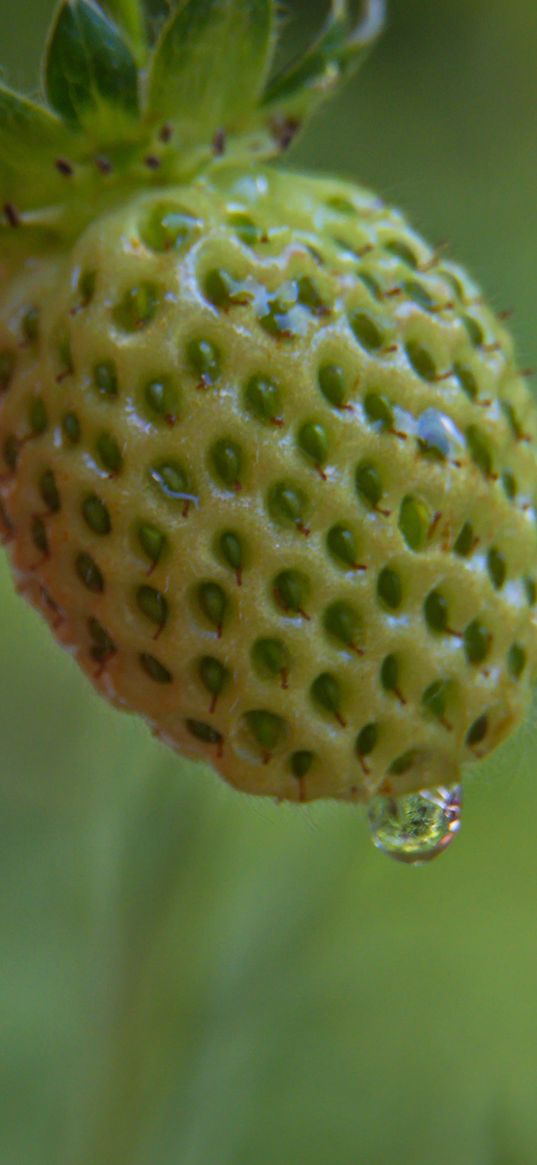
(416, 827)
(438, 435)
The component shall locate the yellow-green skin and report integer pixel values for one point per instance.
(427, 343)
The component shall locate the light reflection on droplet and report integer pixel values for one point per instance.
(438, 433)
(416, 827)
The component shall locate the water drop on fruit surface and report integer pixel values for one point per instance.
(416, 827)
(438, 435)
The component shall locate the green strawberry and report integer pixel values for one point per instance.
(268, 464)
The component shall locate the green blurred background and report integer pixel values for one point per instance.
(190, 977)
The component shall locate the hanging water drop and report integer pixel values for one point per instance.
(416, 827)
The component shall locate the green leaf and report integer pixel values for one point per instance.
(210, 65)
(90, 73)
(339, 50)
(129, 16)
(32, 140)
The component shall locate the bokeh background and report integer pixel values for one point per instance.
(189, 977)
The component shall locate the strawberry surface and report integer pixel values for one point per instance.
(269, 473)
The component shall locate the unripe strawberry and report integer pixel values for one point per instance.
(268, 461)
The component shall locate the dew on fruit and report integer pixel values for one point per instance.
(313, 441)
(276, 314)
(172, 482)
(30, 325)
(204, 360)
(326, 693)
(415, 522)
(161, 400)
(465, 541)
(105, 378)
(213, 602)
(333, 384)
(497, 568)
(368, 333)
(222, 290)
(167, 227)
(155, 669)
(262, 398)
(137, 308)
(420, 360)
(286, 505)
(108, 452)
(38, 416)
(438, 436)
(96, 515)
(341, 621)
(229, 547)
(479, 449)
(89, 573)
(477, 642)
(516, 660)
(153, 605)
(39, 535)
(227, 462)
(390, 588)
(49, 491)
(71, 428)
(152, 542)
(290, 591)
(416, 827)
(271, 659)
(204, 732)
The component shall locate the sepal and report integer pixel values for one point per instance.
(31, 140)
(91, 77)
(294, 94)
(210, 66)
(129, 16)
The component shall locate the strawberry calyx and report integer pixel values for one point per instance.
(146, 93)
